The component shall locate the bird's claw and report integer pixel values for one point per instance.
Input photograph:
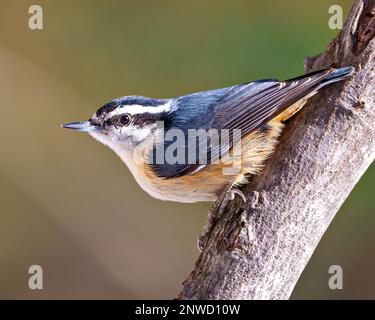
(232, 194)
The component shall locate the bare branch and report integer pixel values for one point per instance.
(258, 250)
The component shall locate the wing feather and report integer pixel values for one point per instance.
(246, 107)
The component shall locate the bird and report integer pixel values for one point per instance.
(151, 135)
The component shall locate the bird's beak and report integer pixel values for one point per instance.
(84, 126)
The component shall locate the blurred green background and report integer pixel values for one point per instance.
(71, 206)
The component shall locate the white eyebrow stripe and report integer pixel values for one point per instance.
(138, 109)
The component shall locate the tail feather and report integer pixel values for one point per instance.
(338, 75)
(331, 75)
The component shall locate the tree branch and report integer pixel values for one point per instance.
(258, 250)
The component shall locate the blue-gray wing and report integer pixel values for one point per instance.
(246, 107)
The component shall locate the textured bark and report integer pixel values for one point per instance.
(258, 250)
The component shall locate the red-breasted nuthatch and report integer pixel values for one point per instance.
(152, 136)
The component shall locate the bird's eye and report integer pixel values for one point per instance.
(125, 119)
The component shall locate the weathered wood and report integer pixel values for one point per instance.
(258, 250)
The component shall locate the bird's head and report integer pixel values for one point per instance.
(125, 122)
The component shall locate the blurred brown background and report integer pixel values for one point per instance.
(71, 206)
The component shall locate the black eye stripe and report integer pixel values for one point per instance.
(146, 118)
(138, 120)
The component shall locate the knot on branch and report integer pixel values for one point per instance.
(365, 27)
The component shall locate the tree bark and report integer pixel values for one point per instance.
(259, 249)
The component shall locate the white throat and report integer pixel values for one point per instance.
(132, 157)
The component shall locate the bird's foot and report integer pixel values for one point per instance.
(232, 191)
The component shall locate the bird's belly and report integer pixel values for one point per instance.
(195, 190)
